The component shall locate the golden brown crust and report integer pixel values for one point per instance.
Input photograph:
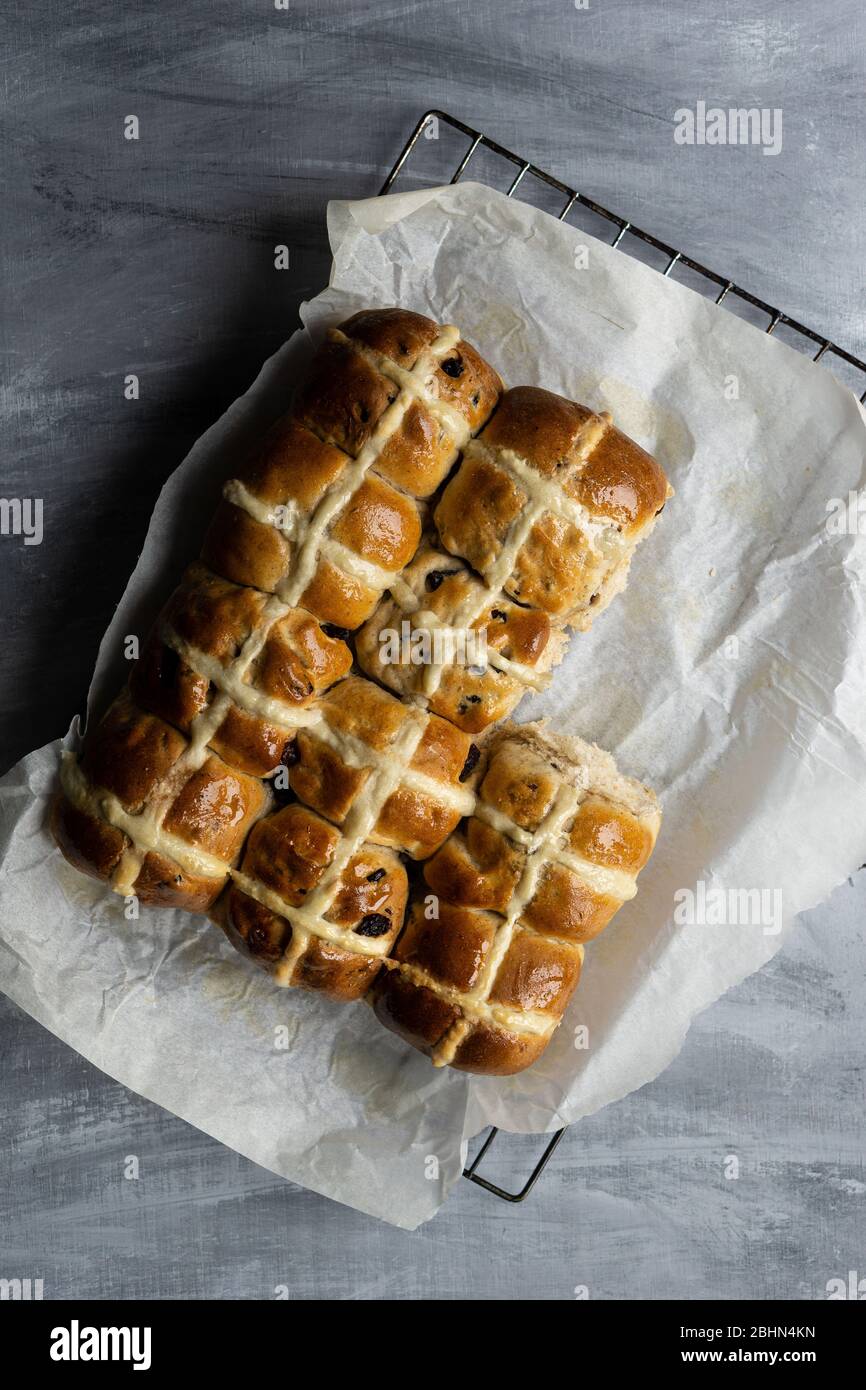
(416, 1014)
(493, 946)
(419, 455)
(536, 975)
(539, 426)
(501, 650)
(343, 397)
(377, 423)
(468, 384)
(415, 822)
(161, 882)
(371, 753)
(417, 458)
(477, 509)
(291, 468)
(347, 392)
(87, 842)
(247, 675)
(520, 784)
(186, 664)
(252, 928)
(232, 682)
(398, 334)
(287, 859)
(338, 598)
(380, 525)
(246, 551)
(130, 752)
(565, 906)
(552, 500)
(558, 569)
(610, 835)
(452, 947)
(623, 482)
(477, 867)
(495, 1051)
(341, 975)
(215, 808)
(134, 812)
(292, 464)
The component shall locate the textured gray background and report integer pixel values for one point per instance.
(156, 257)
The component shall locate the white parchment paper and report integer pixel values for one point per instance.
(731, 676)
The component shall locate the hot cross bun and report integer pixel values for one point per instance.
(493, 946)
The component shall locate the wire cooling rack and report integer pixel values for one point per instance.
(631, 239)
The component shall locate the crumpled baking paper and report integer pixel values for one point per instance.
(729, 676)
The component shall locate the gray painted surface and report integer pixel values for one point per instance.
(156, 257)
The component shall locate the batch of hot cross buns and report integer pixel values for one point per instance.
(310, 748)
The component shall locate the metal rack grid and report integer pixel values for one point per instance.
(727, 290)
